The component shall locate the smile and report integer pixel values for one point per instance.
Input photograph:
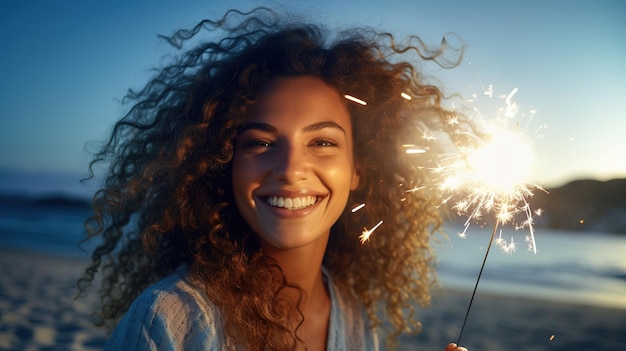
(291, 203)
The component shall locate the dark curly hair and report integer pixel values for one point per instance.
(167, 198)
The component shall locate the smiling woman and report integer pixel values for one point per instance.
(226, 211)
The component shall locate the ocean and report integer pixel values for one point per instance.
(580, 267)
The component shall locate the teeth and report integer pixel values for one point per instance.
(291, 203)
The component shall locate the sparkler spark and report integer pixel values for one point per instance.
(488, 91)
(415, 151)
(414, 189)
(428, 137)
(357, 100)
(365, 235)
(412, 149)
(358, 208)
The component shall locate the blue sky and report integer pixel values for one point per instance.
(65, 65)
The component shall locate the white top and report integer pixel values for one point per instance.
(174, 314)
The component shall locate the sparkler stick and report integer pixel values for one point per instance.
(469, 306)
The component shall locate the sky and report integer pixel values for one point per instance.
(66, 65)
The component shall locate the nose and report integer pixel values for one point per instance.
(291, 165)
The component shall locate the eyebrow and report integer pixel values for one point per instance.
(310, 128)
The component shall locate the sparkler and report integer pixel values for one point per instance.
(492, 174)
(494, 177)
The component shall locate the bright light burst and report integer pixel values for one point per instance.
(494, 175)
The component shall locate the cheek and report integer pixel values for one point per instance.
(247, 175)
(339, 175)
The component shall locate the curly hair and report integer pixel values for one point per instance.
(167, 197)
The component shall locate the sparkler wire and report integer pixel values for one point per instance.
(469, 307)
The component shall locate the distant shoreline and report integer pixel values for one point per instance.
(45, 200)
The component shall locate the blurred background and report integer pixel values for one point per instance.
(66, 65)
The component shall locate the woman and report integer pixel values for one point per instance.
(232, 214)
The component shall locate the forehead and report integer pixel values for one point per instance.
(300, 99)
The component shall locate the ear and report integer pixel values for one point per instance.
(355, 177)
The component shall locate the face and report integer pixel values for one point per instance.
(293, 167)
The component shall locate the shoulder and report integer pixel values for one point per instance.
(172, 312)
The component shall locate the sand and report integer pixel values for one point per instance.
(511, 323)
(38, 312)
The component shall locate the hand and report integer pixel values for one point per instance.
(454, 347)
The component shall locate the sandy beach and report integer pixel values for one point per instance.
(509, 323)
(38, 312)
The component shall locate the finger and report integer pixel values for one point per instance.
(454, 347)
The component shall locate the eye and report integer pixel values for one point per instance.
(257, 143)
(323, 142)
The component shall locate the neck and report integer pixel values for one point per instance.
(303, 270)
(302, 266)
